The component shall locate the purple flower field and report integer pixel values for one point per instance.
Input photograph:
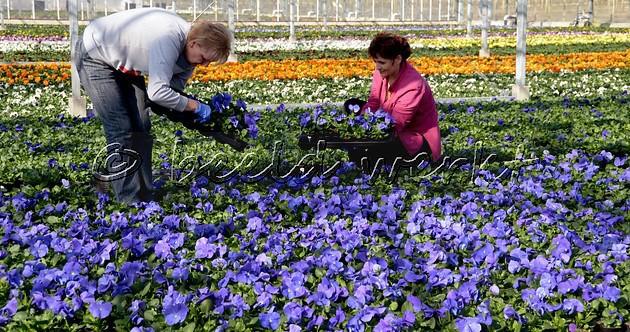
(538, 244)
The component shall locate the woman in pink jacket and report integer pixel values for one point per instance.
(401, 91)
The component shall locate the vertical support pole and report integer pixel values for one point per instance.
(421, 8)
(258, 11)
(484, 52)
(469, 22)
(373, 11)
(460, 12)
(1, 18)
(591, 12)
(439, 10)
(277, 10)
(391, 10)
(58, 5)
(402, 10)
(520, 90)
(77, 103)
(448, 10)
(8, 9)
(413, 10)
(291, 21)
(236, 9)
(194, 9)
(325, 14)
(337, 10)
(430, 10)
(33, 9)
(317, 10)
(216, 10)
(232, 27)
(297, 10)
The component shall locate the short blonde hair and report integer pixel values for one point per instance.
(212, 36)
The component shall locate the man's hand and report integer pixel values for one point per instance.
(203, 112)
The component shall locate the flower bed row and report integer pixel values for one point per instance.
(582, 84)
(278, 49)
(315, 32)
(295, 69)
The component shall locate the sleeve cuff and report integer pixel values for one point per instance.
(181, 104)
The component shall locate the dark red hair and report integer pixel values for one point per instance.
(388, 45)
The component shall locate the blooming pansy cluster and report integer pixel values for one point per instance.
(233, 117)
(346, 125)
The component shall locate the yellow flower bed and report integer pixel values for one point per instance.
(532, 40)
(295, 69)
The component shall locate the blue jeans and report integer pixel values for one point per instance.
(120, 103)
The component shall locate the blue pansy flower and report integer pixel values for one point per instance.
(100, 309)
(270, 320)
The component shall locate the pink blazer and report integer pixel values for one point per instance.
(412, 106)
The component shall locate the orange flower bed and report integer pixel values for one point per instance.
(39, 73)
(295, 69)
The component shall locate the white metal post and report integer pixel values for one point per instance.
(291, 21)
(484, 52)
(77, 103)
(391, 10)
(448, 10)
(413, 9)
(421, 8)
(194, 9)
(520, 90)
(439, 10)
(82, 11)
(337, 10)
(460, 11)
(59, 10)
(469, 22)
(430, 10)
(33, 7)
(373, 11)
(277, 10)
(231, 26)
(150, 3)
(402, 10)
(297, 10)
(236, 9)
(257, 10)
(216, 10)
(317, 10)
(325, 14)
(8, 9)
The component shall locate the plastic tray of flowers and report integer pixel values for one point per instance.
(229, 124)
(368, 135)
